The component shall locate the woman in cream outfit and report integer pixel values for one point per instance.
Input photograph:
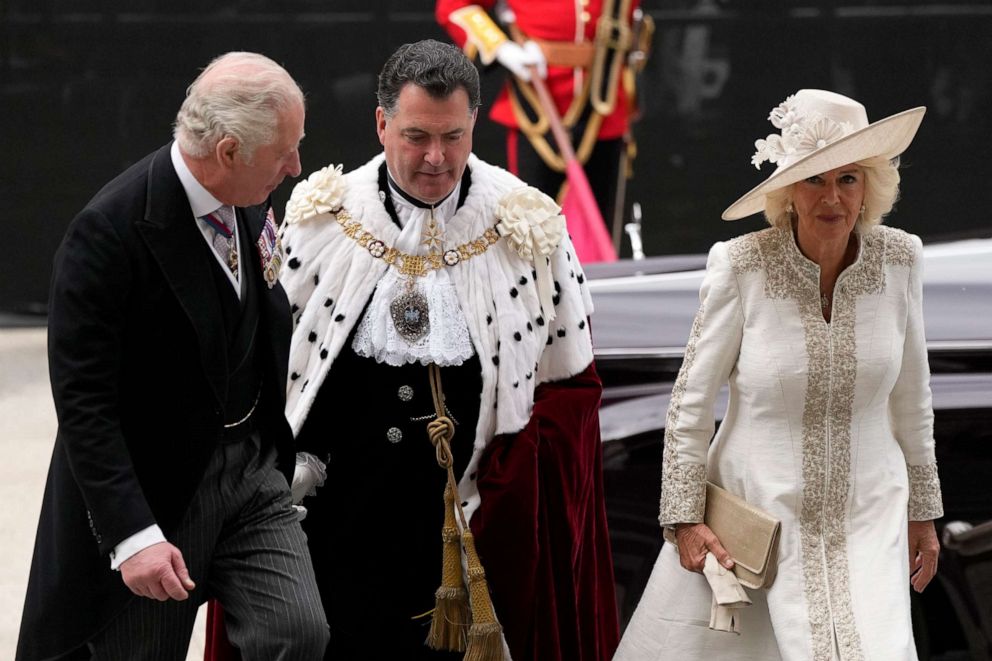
(816, 323)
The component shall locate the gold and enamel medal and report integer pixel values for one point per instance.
(410, 310)
(411, 313)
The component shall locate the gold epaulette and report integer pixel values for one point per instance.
(482, 33)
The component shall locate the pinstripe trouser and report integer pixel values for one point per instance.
(243, 545)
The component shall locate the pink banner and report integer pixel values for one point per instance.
(585, 223)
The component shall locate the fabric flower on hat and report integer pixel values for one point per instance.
(783, 115)
(534, 226)
(820, 132)
(321, 192)
(771, 149)
(802, 134)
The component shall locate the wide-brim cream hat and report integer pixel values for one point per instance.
(820, 131)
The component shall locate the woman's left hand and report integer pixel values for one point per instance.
(923, 551)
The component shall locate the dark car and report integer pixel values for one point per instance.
(644, 310)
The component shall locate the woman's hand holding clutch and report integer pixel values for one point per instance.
(694, 541)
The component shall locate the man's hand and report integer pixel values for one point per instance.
(694, 540)
(518, 59)
(158, 572)
(923, 552)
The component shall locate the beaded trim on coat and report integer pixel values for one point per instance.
(683, 484)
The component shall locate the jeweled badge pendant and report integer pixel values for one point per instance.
(410, 314)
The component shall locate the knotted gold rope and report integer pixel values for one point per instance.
(455, 609)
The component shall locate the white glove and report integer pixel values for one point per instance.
(517, 58)
(301, 512)
(728, 596)
(310, 473)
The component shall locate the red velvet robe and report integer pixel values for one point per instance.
(541, 533)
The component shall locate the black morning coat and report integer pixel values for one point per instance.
(139, 374)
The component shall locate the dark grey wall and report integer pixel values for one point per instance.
(88, 87)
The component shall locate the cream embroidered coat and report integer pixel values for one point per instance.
(829, 428)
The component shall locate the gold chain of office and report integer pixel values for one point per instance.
(413, 265)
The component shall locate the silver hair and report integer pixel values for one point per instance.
(239, 95)
(438, 68)
(881, 192)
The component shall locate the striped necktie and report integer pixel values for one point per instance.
(222, 222)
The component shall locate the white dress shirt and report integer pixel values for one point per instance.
(202, 203)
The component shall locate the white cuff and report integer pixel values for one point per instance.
(139, 541)
(309, 474)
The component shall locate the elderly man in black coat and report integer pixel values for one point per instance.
(168, 344)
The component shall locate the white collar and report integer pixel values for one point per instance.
(200, 199)
(405, 208)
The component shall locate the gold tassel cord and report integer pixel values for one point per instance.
(485, 639)
(450, 618)
(441, 430)
(455, 607)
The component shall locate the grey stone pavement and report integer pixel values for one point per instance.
(27, 434)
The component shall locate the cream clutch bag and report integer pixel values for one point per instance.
(749, 534)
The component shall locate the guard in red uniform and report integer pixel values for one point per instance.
(581, 48)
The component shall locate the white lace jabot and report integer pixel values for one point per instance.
(447, 342)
